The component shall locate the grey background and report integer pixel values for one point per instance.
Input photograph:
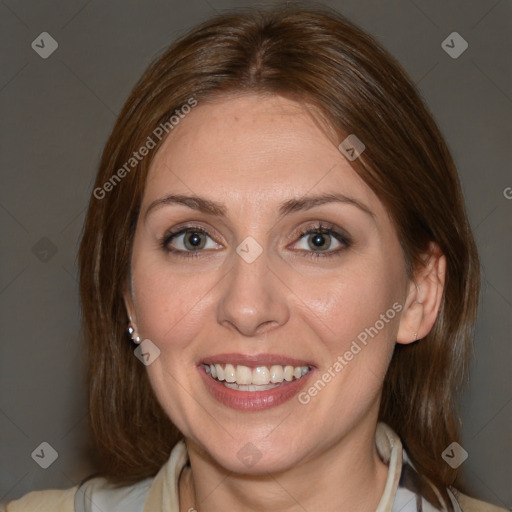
(56, 116)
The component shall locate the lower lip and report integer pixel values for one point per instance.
(253, 400)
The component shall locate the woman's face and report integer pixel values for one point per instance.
(252, 291)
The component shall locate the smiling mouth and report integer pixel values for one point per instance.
(260, 378)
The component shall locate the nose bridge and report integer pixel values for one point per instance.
(251, 294)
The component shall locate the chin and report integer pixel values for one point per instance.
(251, 461)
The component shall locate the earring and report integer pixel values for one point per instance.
(415, 336)
(133, 335)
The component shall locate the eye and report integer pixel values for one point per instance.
(317, 241)
(321, 238)
(189, 239)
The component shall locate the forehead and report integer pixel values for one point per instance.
(256, 149)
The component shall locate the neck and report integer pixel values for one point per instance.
(347, 475)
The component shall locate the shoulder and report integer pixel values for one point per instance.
(98, 491)
(468, 504)
(52, 500)
(99, 494)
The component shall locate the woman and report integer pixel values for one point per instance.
(278, 224)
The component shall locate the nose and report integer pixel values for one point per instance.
(253, 298)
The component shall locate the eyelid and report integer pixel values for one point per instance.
(322, 227)
(183, 228)
(178, 231)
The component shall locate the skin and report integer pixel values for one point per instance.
(252, 153)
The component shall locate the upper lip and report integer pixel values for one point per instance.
(254, 361)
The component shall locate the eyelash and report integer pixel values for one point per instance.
(325, 229)
(320, 228)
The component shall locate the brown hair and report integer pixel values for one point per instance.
(317, 57)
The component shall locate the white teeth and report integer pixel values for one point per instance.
(276, 373)
(260, 378)
(288, 373)
(243, 375)
(229, 373)
(220, 372)
(250, 387)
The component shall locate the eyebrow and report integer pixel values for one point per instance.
(216, 209)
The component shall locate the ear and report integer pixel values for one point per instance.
(424, 297)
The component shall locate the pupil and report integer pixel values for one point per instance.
(195, 240)
(319, 240)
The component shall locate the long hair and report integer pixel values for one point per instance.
(320, 59)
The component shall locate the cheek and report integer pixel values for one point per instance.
(356, 317)
(169, 305)
(357, 313)
(352, 302)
